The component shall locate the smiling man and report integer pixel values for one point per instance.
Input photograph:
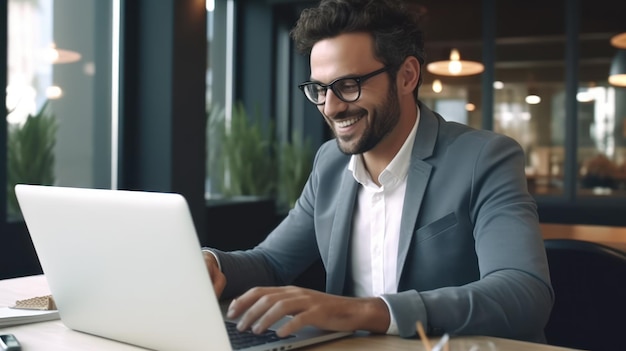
(414, 218)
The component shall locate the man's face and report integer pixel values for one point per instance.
(360, 125)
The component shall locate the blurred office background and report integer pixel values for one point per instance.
(163, 95)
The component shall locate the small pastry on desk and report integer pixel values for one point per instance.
(44, 303)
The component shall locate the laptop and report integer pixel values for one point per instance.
(127, 265)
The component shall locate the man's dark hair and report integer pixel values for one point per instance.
(395, 28)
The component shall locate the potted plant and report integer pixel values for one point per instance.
(242, 160)
(295, 163)
(245, 161)
(30, 154)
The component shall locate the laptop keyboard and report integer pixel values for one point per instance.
(240, 340)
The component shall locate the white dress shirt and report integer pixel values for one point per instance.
(376, 225)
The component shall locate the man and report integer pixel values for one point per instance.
(414, 218)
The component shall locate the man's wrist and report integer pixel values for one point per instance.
(393, 325)
(206, 250)
(377, 315)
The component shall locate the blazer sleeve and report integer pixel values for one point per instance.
(284, 254)
(513, 296)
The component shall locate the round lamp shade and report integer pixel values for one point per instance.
(455, 66)
(619, 41)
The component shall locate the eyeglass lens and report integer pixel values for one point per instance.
(347, 89)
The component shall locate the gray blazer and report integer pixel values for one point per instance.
(471, 258)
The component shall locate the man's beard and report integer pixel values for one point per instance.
(383, 120)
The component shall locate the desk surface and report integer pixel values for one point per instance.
(54, 335)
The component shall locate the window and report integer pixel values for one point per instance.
(533, 65)
(601, 156)
(529, 89)
(219, 82)
(456, 97)
(59, 94)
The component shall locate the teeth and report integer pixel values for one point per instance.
(348, 122)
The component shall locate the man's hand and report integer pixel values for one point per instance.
(217, 277)
(261, 307)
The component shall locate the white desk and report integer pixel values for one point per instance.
(54, 335)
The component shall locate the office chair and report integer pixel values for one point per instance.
(589, 282)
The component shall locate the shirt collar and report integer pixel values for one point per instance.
(395, 171)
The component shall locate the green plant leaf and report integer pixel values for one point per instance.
(30, 153)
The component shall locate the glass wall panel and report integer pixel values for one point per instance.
(456, 97)
(601, 106)
(529, 86)
(59, 94)
(219, 83)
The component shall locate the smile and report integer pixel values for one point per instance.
(348, 122)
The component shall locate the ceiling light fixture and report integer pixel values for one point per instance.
(437, 86)
(55, 56)
(584, 96)
(455, 67)
(210, 5)
(533, 99)
(619, 41)
(617, 74)
(54, 92)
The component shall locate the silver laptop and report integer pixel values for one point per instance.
(127, 265)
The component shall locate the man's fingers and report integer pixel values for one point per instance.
(262, 307)
(254, 314)
(296, 323)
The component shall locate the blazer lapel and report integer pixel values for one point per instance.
(419, 173)
(417, 180)
(340, 235)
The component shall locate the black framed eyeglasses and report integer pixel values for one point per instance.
(348, 89)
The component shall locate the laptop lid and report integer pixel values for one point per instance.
(127, 265)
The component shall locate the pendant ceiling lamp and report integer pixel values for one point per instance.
(56, 56)
(437, 86)
(619, 41)
(532, 98)
(455, 67)
(617, 75)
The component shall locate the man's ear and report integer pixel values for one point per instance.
(409, 75)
